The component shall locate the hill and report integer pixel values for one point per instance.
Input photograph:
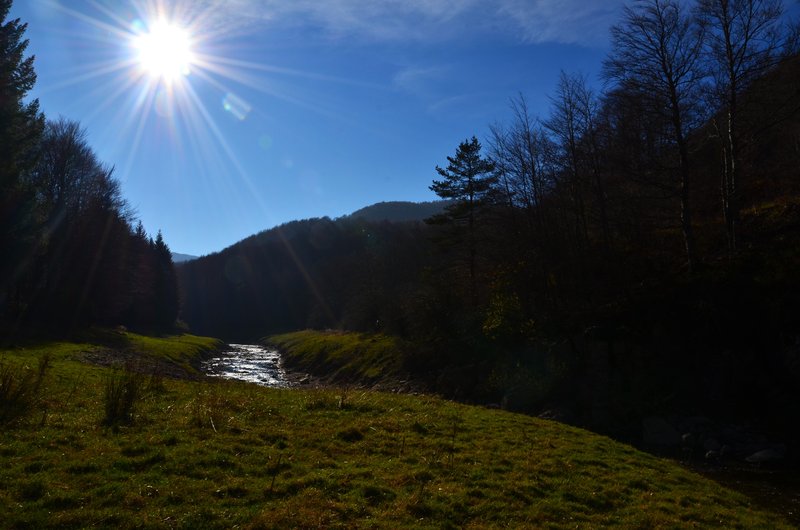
(177, 257)
(400, 211)
(221, 455)
(310, 273)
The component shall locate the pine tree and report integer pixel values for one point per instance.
(468, 181)
(20, 128)
(166, 285)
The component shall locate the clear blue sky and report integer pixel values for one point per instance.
(297, 108)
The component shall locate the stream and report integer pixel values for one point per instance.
(248, 362)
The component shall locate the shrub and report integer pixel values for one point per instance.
(124, 389)
(20, 389)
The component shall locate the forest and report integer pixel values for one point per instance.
(632, 252)
(73, 254)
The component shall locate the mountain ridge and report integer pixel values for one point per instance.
(399, 211)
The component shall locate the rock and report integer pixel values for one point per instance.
(773, 454)
(657, 431)
(688, 440)
(717, 454)
(711, 444)
(557, 413)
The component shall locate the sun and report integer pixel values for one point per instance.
(164, 51)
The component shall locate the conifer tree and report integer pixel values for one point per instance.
(166, 285)
(468, 181)
(20, 128)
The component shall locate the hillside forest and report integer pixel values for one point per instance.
(73, 253)
(634, 251)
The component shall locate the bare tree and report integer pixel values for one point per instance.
(521, 154)
(743, 39)
(68, 177)
(656, 54)
(572, 124)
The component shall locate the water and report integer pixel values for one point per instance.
(248, 362)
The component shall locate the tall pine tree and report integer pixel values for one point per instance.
(467, 181)
(166, 285)
(20, 128)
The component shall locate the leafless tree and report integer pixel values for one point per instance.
(743, 39)
(68, 176)
(520, 152)
(573, 126)
(656, 52)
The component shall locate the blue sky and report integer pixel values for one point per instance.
(297, 108)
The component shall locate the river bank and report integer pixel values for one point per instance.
(220, 454)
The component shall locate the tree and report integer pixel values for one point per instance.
(166, 285)
(20, 127)
(68, 178)
(571, 123)
(468, 181)
(523, 155)
(520, 153)
(743, 39)
(656, 54)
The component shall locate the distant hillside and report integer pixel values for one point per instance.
(315, 273)
(177, 257)
(399, 211)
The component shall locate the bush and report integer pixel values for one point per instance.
(20, 389)
(124, 389)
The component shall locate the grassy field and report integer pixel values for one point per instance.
(342, 356)
(215, 454)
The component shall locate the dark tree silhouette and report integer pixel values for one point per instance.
(656, 54)
(744, 38)
(573, 126)
(20, 128)
(166, 285)
(467, 180)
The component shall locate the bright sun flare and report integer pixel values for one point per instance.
(165, 51)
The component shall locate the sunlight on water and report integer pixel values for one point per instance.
(248, 362)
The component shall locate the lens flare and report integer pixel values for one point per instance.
(165, 51)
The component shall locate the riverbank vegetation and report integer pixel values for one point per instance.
(218, 454)
(343, 358)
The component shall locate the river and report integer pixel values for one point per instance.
(248, 362)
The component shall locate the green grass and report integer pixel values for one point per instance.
(343, 356)
(221, 454)
(182, 350)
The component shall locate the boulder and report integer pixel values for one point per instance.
(765, 456)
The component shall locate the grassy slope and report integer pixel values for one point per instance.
(176, 354)
(341, 356)
(215, 455)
